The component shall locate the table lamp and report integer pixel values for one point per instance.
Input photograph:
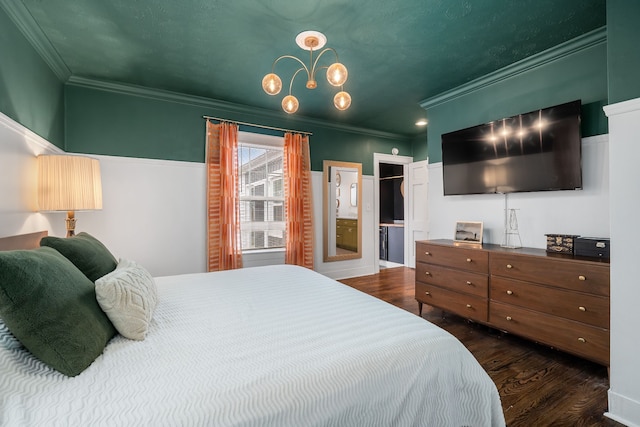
(69, 183)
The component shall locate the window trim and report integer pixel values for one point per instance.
(267, 142)
(260, 140)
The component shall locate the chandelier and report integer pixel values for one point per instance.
(336, 73)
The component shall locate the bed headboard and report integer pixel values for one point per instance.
(22, 241)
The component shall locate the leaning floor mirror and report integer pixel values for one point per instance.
(342, 210)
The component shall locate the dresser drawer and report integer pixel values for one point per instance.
(586, 308)
(455, 280)
(468, 259)
(346, 222)
(573, 275)
(583, 340)
(469, 306)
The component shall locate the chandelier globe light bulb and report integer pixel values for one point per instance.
(342, 100)
(272, 84)
(337, 74)
(290, 104)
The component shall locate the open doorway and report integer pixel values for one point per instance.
(415, 221)
(391, 206)
(391, 213)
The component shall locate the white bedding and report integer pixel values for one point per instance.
(264, 346)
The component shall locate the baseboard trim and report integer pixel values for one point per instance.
(623, 409)
(347, 273)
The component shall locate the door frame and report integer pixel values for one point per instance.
(396, 160)
(419, 219)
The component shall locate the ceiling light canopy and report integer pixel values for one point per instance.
(337, 73)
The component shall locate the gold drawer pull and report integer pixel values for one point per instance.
(508, 318)
(509, 266)
(427, 273)
(509, 292)
(582, 340)
(581, 308)
(427, 253)
(427, 293)
(582, 278)
(468, 259)
(468, 305)
(469, 283)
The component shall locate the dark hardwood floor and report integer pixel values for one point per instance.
(538, 386)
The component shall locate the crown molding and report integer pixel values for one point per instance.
(228, 107)
(22, 18)
(24, 21)
(586, 41)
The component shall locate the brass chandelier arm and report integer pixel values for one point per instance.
(337, 73)
(313, 67)
(304, 66)
(311, 74)
(294, 76)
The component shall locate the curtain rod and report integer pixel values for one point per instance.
(255, 125)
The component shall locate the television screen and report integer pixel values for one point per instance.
(536, 151)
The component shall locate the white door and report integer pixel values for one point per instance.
(417, 217)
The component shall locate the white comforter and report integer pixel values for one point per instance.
(266, 346)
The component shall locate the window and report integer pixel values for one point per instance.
(261, 195)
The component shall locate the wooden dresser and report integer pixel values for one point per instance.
(558, 300)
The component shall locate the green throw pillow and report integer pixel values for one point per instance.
(51, 307)
(85, 252)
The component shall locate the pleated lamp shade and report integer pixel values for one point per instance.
(69, 183)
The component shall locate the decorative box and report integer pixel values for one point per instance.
(592, 247)
(560, 243)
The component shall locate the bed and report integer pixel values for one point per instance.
(264, 346)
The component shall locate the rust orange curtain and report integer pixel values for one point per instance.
(298, 201)
(224, 249)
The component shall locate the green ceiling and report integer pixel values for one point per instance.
(398, 52)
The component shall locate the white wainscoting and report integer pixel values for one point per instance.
(624, 394)
(153, 212)
(583, 212)
(18, 178)
(263, 257)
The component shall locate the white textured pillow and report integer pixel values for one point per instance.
(128, 295)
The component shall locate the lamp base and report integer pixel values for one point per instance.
(71, 223)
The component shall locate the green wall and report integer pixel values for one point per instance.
(106, 120)
(579, 75)
(419, 147)
(623, 18)
(135, 122)
(30, 93)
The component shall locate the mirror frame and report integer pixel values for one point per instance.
(326, 165)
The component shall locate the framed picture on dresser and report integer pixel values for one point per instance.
(468, 232)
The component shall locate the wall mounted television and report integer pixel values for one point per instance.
(537, 151)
